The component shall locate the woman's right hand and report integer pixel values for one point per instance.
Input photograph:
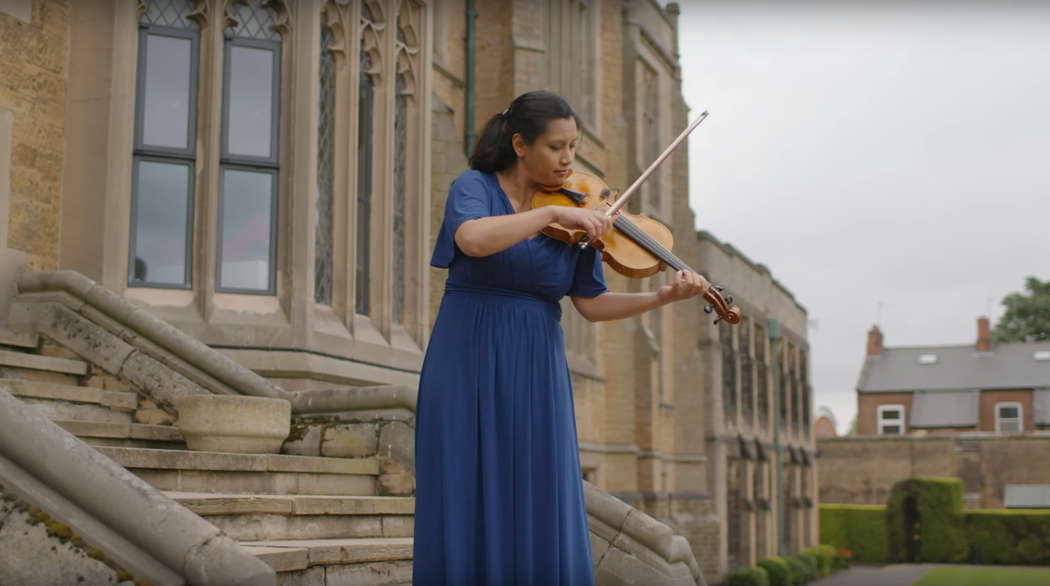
(594, 222)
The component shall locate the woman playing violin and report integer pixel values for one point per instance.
(499, 497)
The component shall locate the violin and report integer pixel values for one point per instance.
(637, 247)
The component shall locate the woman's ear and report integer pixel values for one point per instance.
(518, 143)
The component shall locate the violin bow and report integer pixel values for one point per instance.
(715, 302)
(622, 200)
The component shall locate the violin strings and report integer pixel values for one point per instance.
(638, 235)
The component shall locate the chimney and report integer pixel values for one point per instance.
(874, 341)
(984, 335)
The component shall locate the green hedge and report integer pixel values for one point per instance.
(1008, 536)
(748, 577)
(778, 571)
(858, 528)
(941, 535)
(924, 522)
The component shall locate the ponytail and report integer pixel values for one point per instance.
(528, 116)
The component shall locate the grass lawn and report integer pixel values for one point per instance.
(985, 576)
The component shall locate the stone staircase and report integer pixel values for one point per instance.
(314, 520)
(336, 507)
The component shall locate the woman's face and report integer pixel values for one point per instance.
(548, 160)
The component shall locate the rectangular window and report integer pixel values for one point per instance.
(248, 196)
(163, 165)
(161, 218)
(167, 87)
(246, 227)
(251, 100)
(1008, 417)
(891, 419)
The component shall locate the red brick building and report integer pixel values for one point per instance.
(985, 386)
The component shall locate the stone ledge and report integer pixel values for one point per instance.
(118, 400)
(100, 429)
(348, 551)
(230, 504)
(222, 461)
(32, 361)
(281, 559)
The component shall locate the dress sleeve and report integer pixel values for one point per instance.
(468, 199)
(589, 279)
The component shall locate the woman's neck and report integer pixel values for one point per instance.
(517, 185)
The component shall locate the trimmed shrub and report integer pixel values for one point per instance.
(778, 571)
(825, 556)
(812, 563)
(859, 528)
(800, 570)
(748, 577)
(1008, 536)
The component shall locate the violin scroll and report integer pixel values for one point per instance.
(722, 305)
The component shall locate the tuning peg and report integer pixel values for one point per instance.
(729, 299)
(719, 288)
(717, 319)
(708, 309)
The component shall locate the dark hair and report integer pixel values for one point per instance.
(528, 116)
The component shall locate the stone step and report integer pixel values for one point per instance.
(88, 413)
(19, 339)
(48, 363)
(128, 435)
(248, 517)
(360, 561)
(122, 401)
(222, 472)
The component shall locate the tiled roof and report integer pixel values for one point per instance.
(944, 409)
(1042, 407)
(1007, 366)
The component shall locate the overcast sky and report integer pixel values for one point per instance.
(875, 152)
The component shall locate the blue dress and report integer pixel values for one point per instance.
(499, 497)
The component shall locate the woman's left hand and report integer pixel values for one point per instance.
(684, 285)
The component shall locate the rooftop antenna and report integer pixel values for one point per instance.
(878, 313)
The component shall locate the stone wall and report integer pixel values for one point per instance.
(862, 470)
(32, 89)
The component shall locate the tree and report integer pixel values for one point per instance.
(1027, 316)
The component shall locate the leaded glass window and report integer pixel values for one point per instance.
(747, 396)
(574, 63)
(804, 389)
(365, 111)
(761, 374)
(782, 391)
(325, 147)
(163, 164)
(729, 393)
(400, 151)
(248, 197)
(650, 144)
